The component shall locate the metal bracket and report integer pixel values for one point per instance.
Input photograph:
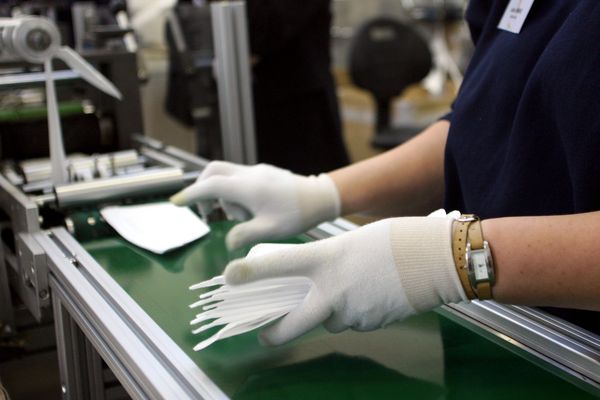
(22, 211)
(33, 286)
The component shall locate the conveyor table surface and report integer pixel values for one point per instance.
(430, 356)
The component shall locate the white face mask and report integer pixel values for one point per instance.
(243, 308)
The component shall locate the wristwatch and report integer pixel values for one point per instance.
(480, 264)
(473, 258)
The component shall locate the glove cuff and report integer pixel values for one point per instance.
(422, 252)
(319, 199)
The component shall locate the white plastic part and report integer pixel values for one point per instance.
(87, 71)
(242, 308)
(58, 158)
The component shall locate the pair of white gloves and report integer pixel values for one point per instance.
(362, 279)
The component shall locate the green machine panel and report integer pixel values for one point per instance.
(431, 356)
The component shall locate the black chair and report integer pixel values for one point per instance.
(386, 56)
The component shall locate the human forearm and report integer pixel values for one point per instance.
(547, 261)
(407, 180)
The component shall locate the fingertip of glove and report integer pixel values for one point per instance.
(264, 339)
(179, 199)
(237, 272)
(267, 338)
(232, 241)
(240, 236)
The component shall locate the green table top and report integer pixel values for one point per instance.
(430, 356)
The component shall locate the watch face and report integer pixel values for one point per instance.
(478, 259)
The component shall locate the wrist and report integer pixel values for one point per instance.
(335, 202)
(319, 199)
(423, 256)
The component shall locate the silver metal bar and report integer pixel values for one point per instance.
(147, 141)
(245, 82)
(95, 375)
(71, 309)
(79, 361)
(62, 323)
(192, 159)
(38, 186)
(229, 107)
(161, 157)
(45, 199)
(559, 325)
(139, 345)
(580, 358)
(38, 170)
(20, 80)
(233, 81)
(81, 12)
(149, 182)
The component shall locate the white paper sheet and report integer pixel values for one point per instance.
(158, 227)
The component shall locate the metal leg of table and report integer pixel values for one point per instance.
(70, 346)
(7, 316)
(95, 376)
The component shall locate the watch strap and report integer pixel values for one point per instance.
(484, 291)
(475, 235)
(460, 230)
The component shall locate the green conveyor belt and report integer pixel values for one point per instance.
(426, 357)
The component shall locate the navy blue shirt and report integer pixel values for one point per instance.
(525, 128)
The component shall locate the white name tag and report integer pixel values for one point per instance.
(514, 15)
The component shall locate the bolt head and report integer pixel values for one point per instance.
(38, 40)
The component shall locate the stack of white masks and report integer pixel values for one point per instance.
(242, 308)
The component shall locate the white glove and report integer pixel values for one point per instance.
(281, 203)
(363, 279)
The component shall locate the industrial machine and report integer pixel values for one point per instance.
(101, 35)
(122, 309)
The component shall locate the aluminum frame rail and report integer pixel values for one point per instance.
(562, 344)
(145, 360)
(232, 69)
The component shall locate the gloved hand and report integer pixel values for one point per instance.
(280, 203)
(363, 279)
